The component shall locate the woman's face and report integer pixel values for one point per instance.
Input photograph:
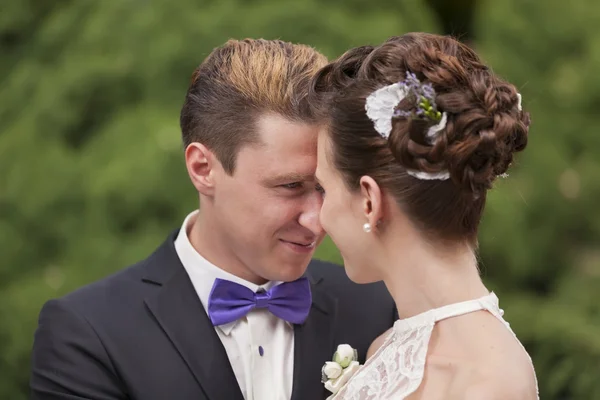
(342, 217)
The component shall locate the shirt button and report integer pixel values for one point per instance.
(261, 351)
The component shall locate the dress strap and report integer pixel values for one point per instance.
(430, 317)
(489, 302)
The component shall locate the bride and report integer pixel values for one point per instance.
(416, 131)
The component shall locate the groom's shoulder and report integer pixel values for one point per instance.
(120, 287)
(334, 279)
(368, 304)
(122, 280)
(112, 294)
(320, 269)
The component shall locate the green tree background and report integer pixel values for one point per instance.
(92, 175)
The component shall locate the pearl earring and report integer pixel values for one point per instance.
(367, 227)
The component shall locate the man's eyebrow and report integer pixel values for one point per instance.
(289, 178)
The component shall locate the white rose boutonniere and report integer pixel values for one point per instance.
(336, 373)
(332, 370)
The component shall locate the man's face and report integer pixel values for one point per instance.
(268, 210)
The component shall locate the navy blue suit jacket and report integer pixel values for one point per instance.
(143, 334)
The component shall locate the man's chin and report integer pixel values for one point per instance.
(291, 271)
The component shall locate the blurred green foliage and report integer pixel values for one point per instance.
(92, 175)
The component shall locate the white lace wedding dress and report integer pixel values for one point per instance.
(396, 369)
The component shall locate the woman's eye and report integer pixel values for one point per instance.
(320, 189)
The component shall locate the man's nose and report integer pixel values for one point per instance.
(310, 215)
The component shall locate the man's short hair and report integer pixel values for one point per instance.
(240, 81)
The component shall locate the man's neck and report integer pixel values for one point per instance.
(206, 239)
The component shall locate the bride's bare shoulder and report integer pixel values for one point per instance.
(377, 343)
(495, 390)
(503, 376)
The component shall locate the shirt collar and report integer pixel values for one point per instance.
(203, 273)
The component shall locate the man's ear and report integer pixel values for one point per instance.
(372, 201)
(201, 163)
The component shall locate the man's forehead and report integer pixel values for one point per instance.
(278, 131)
(286, 150)
(277, 165)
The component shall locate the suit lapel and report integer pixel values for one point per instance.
(179, 312)
(313, 345)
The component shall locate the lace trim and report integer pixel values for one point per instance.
(397, 367)
(448, 311)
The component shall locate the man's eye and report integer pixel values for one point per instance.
(294, 185)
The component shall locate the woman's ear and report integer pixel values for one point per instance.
(372, 201)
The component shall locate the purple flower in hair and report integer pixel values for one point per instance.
(428, 92)
(402, 113)
(412, 80)
(423, 96)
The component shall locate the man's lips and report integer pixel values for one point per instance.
(302, 243)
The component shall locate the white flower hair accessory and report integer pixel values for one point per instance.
(337, 372)
(381, 109)
(381, 104)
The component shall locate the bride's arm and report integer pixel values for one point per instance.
(377, 343)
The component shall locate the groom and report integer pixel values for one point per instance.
(230, 306)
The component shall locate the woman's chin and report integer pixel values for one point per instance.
(359, 274)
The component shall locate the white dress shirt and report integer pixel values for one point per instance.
(261, 377)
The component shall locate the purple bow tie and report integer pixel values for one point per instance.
(230, 301)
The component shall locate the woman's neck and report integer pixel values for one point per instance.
(421, 277)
